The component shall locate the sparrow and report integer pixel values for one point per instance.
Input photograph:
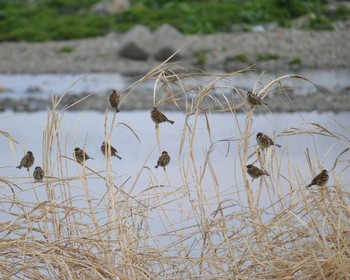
(104, 148)
(114, 99)
(163, 160)
(80, 155)
(38, 174)
(320, 180)
(265, 141)
(255, 172)
(158, 117)
(253, 99)
(27, 161)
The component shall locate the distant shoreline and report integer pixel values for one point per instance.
(280, 49)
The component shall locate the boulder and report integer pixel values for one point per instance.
(137, 43)
(111, 7)
(167, 40)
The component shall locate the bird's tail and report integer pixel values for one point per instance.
(19, 166)
(118, 157)
(172, 122)
(277, 145)
(156, 166)
(308, 186)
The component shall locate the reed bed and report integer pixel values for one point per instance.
(297, 233)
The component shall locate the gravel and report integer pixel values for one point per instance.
(271, 50)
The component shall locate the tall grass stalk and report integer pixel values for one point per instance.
(88, 226)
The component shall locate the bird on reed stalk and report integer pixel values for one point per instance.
(255, 172)
(114, 99)
(105, 148)
(27, 161)
(158, 117)
(320, 180)
(80, 155)
(38, 174)
(265, 141)
(163, 160)
(253, 100)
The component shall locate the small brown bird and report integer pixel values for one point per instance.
(80, 155)
(38, 174)
(27, 161)
(320, 180)
(265, 141)
(114, 99)
(104, 149)
(158, 117)
(253, 99)
(163, 160)
(255, 172)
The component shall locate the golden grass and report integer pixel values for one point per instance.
(301, 234)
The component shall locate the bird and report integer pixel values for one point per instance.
(255, 172)
(114, 99)
(80, 155)
(158, 117)
(163, 160)
(38, 174)
(253, 99)
(105, 146)
(265, 141)
(320, 180)
(27, 161)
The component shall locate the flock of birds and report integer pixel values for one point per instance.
(158, 117)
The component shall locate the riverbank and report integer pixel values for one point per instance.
(277, 49)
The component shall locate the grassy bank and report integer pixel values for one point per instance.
(73, 19)
(90, 224)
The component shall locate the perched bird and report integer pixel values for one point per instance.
(80, 155)
(104, 149)
(163, 160)
(320, 180)
(38, 174)
(265, 141)
(253, 99)
(114, 99)
(158, 117)
(255, 172)
(27, 161)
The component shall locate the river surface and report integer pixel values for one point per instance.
(43, 85)
(139, 149)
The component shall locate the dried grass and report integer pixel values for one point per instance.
(301, 234)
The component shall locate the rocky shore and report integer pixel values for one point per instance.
(274, 50)
(270, 50)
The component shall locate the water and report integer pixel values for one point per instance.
(16, 86)
(87, 129)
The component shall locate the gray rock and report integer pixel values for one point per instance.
(136, 43)
(167, 41)
(111, 7)
(34, 89)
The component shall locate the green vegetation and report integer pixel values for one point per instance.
(266, 56)
(295, 63)
(201, 57)
(66, 49)
(40, 20)
(241, 58)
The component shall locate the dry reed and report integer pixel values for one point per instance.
(299, 234)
